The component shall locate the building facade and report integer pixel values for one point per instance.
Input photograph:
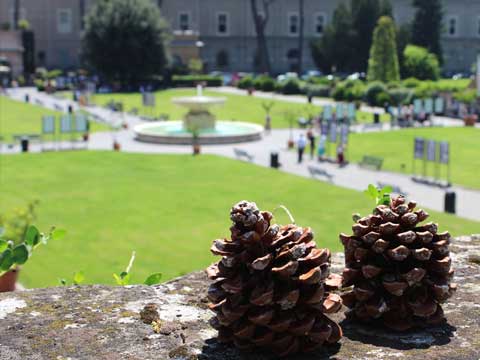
(226, 31)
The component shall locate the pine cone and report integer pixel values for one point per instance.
(271, 287)
(400, 270)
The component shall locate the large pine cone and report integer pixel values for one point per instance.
(400, 270)
(271, 288)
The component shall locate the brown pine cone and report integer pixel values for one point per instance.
(400, 270)
(271, 287)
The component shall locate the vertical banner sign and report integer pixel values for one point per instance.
(148, 99)
(429, 106)
(81, 123)
(439, 105)
(417, 106)
(351, 111)
(344, 134)
(478, 75)
(324, 128)
(327, 113)
(431, 150)
(48, 125)
(333, 132)
(419, 152)
(66, 124)
(339, 111)
(444, 152)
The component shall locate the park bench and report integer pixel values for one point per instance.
(239, 153)
(395, 188)
(372, 162)
(316, 171)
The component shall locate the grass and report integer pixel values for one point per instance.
(168, 208)
(21, 118)
(396, 147)
(237, 107)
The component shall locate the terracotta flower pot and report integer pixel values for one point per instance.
(291, 144)
(116, 146)
(250, 91)
(8, 281)
(85, 137)
(196, 149)
(125, 125)
(470, 120)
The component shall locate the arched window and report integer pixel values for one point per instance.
(222, 59)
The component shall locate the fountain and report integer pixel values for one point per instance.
(199, 122)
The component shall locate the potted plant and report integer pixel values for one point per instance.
(470, 119)
(13, 255)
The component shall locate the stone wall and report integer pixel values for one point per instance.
(99, 322)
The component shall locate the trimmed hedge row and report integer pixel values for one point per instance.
(193, 80)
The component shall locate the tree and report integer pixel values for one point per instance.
(301, 35)
(404, 34)
(383, 62)
(420, 64)
(260, 19)
(365, 14)
(335, 50)
(427, 26)
(125, 40)
(386, 8)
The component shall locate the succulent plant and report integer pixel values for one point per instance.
(271, 288)
(400, 270)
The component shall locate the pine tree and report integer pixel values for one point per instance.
(365, 14)
(383, 62)
(427, 25)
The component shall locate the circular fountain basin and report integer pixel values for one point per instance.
(173, 132)
(198, 103)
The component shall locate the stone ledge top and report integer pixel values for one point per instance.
(100, 322)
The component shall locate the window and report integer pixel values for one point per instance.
(452, 24)
(319, 22)
(478, 26)
(184, 21)
(222, 24)
(64, 21)
(293, 21)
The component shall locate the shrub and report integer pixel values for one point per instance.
(338, 93)
(372, 92)
(53, 74)
(245, 83)
(421, 64)
(264, 83)
(411, 82)
(193, 80)
(466, 96)
(290, 87)
(382, 98)
(349, 90)
(400, 96)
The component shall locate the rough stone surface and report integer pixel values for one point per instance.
(98, 322)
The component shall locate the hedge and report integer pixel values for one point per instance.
(193, 80)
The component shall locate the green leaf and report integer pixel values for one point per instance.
(153, 279)
(3, 245)
(386, 190)
(62, 282)
(78, 278)
(20, 254)
(6, 260)
(58, 234)
(118, 279)
(32, 237)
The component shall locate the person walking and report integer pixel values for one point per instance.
(301, 144)
(311, 139)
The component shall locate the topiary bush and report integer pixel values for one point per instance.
(400, 96)
(264, 83)
(372, 93)
(245, 83)
(316, 90)
(290, 87)
(411, 82)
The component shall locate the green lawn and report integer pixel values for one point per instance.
(21, 118)
(166, 207)
(396, 147)
(237, 107)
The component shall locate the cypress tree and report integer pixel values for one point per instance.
(427, 25)
(383, 62)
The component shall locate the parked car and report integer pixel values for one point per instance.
(287, 76)
(311, 74)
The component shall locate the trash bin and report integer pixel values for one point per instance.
(274, 160)
(376, 118)
(450, 200)
(24, 144)
(27, 98)
(309, 98)
(70, 109)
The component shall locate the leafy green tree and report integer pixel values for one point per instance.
(335, 50)
(383, 62)
(125, 40)
(420, 64)
(427, 25)
(404, 35)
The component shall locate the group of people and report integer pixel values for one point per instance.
(303, 140)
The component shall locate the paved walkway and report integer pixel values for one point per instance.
(351, 176)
